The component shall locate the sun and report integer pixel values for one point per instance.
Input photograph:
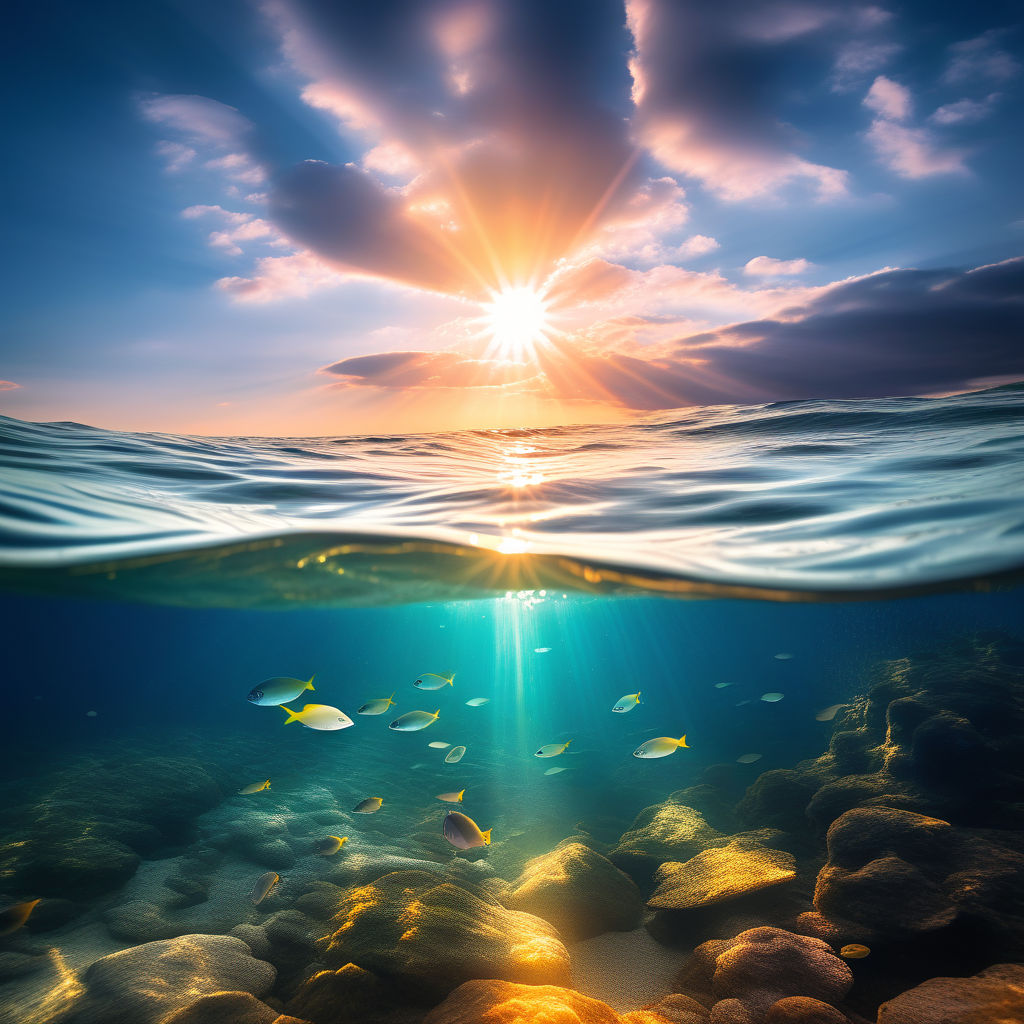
(517, 320)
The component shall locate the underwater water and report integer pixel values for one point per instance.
(820, 596)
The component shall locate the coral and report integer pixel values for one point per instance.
(579, 891)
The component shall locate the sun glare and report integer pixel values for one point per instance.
(517, 320)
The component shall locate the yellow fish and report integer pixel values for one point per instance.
(854, 951)
(463, 832)
(413, 721)
(254, 787)
(552, 749)
(370, 805)
(12, 918)
(451, 798)
(376, 707)
(321, 717)
(330, 845)
(660, 746)
(432, 681)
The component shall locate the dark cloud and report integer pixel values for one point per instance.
(402, 370)
(897, 332)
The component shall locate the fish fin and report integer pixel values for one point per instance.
(293, 716)
(567, 742)
(487, 837)
(391, 699)
(683, 743)
(451, 679)
(309, 685)
(461, 791)
(437, 712)
(638, 692)
(266, 785)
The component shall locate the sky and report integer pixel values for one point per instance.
(292, 217)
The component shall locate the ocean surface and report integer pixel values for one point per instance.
(741, 568)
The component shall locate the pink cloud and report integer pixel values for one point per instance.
(8, 385)
(281, 277)
(766, 266)
(888, 99)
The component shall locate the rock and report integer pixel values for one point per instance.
(14, 965)
(759, 967)
(662, 832)
(994, 996)
(673, 1009)
(144, 984)
(224, 1008)
(579, 891)
(138, 921)
(731, 1011)
(348, 995)
(804, 1010)
(430, 936)
(502, 1002)
(79, 868)
(778, 799)
(720, 874)
(254, 937)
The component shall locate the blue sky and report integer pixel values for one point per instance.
(298, 218)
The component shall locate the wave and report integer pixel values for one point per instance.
(792, 500)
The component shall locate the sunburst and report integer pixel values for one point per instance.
(517, 320)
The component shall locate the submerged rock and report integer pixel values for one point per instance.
(720, 874)
(430, 936)
(804, 1010)
(759, 967)
(994, 996)
(502, 1002)
(663, 832)
(144, 984)
(224, 1008)
(579, 891)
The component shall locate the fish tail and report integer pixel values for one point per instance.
(487, 837)
(638, 692)
(391, 699)
(437, 712)
(683, 743)
(293, 716)
(266, 785)
(451, 680)
(567, 742)
(461, 791)
(309, 685)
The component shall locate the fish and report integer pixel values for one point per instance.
(742, 703)
(279, 690)
(854, 951)
(772, 698)
(12, 918)
(552, 749)
(541, 650)
(371, 805)
(413, 721)
(263, 885)
(254, 787)
(376, 707)
(555, 771)
(748, 758)
(454, 755)
(660, 746)
(463, 832)
(627, 703)
(722, 686)
(330, 845)
(451, 798)
(418, 765)
(91, 714)
(432, 681)
(477, 702)
(321, 717)
(827, 714)
(439, 744)
(783, 657)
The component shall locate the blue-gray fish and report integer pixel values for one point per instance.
(413, 721)
(279, 690)
(263, 885)
(463, 832)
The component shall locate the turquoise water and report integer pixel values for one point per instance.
(812, 550)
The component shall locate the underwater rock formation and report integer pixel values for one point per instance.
(757, 969)
(579, 891)
(430, 935)
(720, 874)
(994, 996)
(663, 832)
(145, 984)
(502, 1002)
(225, 1008)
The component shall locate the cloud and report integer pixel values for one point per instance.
(281, 277)
(8, 385)
(894, 332)
(980, 58)
(503, 122)
(889, 99)
(965, 111)
(703, 79)
(766, 266)
(861, 57)
(911, 152)
(240, 227)
(697, 245)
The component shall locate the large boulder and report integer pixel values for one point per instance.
(145, 984)
(720, 874)
(995, 996)
(579, 891)
(757, 968)
(667, 831)
(224, 1008)
(501, 1002)
(429, 936)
